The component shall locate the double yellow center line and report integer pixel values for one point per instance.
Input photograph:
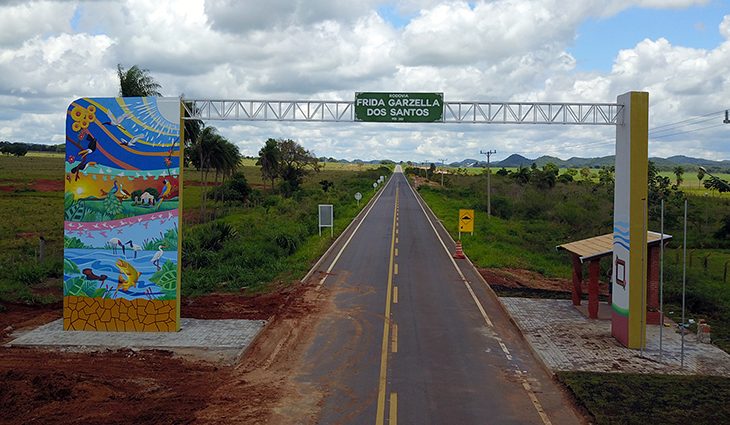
(380, 416)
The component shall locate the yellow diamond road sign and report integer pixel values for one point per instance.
(466, 221)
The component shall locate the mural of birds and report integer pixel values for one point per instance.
(136, 248)
(158, 255)
(116, 242)
(114, 121)
(118, 191)
(166, 188)
(90, 147)
(133, 141)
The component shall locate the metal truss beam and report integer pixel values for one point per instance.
(454, 112)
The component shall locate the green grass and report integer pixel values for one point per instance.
(497, 242)
(31, 167)
(45, 154)
(276, 240)
(650, 399)
(707, 295)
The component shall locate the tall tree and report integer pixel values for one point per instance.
(700, 176)
(137, 82)
(207, 145)
(678, 173)
(295, 163)
(269, 158)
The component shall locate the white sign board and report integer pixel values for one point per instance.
(375, 185)
(326, 218)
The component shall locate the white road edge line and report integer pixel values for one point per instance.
(525, 384)
(347, 242)
(448, 254)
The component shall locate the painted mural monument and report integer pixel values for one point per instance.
(121, 215)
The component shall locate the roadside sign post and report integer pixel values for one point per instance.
(466, 222)
(358, 197)
(326, 218)
(375, 185)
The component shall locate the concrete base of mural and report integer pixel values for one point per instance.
(104, 314)
(220, 341)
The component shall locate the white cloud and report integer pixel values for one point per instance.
(249, 15)
(22, 20)
(327, 49)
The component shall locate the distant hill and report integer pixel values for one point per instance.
(514, 160)
(689, 163)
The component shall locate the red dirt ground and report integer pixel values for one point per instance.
(150, 386)
(40, 185)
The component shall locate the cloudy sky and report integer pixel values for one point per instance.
(52, 52)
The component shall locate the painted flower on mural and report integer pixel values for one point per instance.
(82, 117)
(71, 159)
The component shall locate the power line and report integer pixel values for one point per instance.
(667, 129)
(664, 128)
(687, 131)
(688, 119)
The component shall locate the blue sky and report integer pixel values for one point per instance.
(599, 40)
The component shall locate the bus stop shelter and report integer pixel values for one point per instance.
(591, 250)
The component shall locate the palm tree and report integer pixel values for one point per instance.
(225, 159)
(137, 82)
(202, 148)
(678, 172)
(211, 151)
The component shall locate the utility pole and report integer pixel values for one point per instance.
(442, 171)
(489, 181)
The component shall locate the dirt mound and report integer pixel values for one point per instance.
(526, 279)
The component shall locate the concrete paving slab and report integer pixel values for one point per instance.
(565, 340)
(211, 340)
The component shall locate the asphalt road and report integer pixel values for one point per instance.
(416, 337)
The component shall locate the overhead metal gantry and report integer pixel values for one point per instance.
(456, 112)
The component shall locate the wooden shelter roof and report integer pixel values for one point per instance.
(600, 246)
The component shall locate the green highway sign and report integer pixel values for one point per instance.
(399, 107)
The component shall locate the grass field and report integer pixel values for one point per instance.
(614, 398)
(29, 214)
(45, 154)
(276, 238)
(498, 242)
